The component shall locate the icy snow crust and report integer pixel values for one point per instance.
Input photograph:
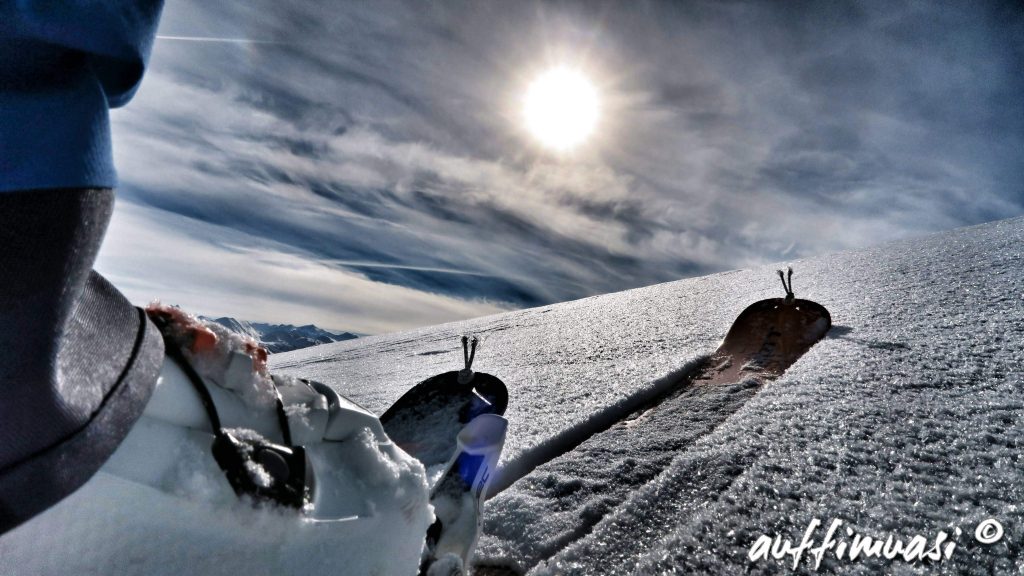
(907, 419)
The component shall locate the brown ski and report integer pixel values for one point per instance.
(767, 338)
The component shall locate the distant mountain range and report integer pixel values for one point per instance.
(282, 337)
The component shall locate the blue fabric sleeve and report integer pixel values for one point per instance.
(63, 65)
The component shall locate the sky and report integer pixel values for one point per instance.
(366, 166)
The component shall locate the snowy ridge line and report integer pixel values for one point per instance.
(568, 439)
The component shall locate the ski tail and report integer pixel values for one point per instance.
(459, 494)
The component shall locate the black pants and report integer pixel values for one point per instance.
(77, 361)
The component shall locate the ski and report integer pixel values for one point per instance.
(458, 497)
(426, 420)
(767, 338)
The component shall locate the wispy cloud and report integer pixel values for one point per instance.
(208, 269)
(222, 40)
(383, 140)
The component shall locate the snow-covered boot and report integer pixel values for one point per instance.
(332, 493)
(459, 495)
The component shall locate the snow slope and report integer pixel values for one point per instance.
(908, 419)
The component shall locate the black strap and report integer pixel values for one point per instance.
(282, 417)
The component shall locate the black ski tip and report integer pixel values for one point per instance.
(808, 308)
(426, 419)
(446, 388)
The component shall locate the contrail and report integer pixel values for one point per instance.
(223, 40)
(365, 264)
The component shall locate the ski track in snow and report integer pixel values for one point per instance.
(562, 500)
(907, 419)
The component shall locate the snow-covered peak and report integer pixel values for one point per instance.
(282, 337)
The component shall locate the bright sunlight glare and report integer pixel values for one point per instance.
(561, 108)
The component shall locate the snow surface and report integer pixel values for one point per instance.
(907, 419)
(176, 515)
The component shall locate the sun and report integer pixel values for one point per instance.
(561, 108)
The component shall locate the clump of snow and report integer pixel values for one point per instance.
(116, 526)
(254, 386)
(381, 472)
(219, 355)
(447, 565)
(259, 475)
(246, 434)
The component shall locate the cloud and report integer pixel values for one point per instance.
(222, 40)
(383, 140)
(210, 270)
